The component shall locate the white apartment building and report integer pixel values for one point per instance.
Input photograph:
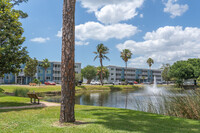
(133, 74)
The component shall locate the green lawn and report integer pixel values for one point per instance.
(11, 88)
(7, 101)
(97, 119)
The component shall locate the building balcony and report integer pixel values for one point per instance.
(57, 69)
(56, 75)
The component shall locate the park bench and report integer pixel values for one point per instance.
(34, 97)
(32, 84)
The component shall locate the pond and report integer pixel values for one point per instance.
(135, 100)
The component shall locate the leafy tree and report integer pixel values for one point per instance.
(45, 64)
(105, 73)
(150, 62)
(67, 65)
(89, 72)
(12, 53)
(195, 62)
(101, 54)
(31, 67)
(77, 78)
(165, 73)
(126, 55)
(181, 70)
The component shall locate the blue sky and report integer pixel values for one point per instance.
(165, 30)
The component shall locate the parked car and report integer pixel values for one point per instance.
(80, 82)
(135, 82)
(123, 83)
(116, 83)
(148, 83)
(159, 82)
(130, 82)
(49, 83)
(95, 83)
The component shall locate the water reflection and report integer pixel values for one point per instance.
(137, 100)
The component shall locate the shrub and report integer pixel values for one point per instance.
(22, 92)
(185, 105)
(1, 90)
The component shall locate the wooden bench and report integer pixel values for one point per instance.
(34, 97)
(32, 84)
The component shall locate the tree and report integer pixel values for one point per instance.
(11, 51)
(89, 72)
(165, 73)
(105, 73)
(143, 77)
(101, 54)
(31, 67)
(77, 78)
(181, 70)
(126, 55)
(45, 64)
(67, 64)
(150, 62)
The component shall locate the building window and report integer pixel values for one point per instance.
(48, 71)
(76, 66)
(112, 69)
(112, 78)
(48, 78)
(111, 74)
(40, 71)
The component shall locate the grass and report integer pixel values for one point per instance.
(7, 101)
(11, 88)
(97, 119)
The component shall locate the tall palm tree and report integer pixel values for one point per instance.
(126, 55)
(45, 64)
(67, 64)
(101, 54)
(150, 62)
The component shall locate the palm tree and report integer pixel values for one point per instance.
(45, 64)
(101, 54)
(126, 55)
(67, 64)
(150, 62)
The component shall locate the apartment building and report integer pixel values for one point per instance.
(133, 74)
(53, 73)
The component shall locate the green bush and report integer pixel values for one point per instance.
(22, 92)
(1, 90)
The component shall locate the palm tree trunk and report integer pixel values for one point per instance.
(67, 64)
(126, 72)
(45, 75)
(101, 78)
(127, 91)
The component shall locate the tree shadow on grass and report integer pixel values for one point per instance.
(11, 104)
(16, 104)
(135, 121)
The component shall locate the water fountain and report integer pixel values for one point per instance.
(155, 90)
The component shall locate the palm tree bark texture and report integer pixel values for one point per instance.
(67, 64)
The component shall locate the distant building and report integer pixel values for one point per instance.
(53, 74)
(133, 74)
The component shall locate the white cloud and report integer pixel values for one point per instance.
(141, 15)
(175, 9)
(97, 31)
(40, 39)
(113, 11)
(59, 34)
(165, 45)
(81, 43)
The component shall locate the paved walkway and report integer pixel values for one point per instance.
(42, 104)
